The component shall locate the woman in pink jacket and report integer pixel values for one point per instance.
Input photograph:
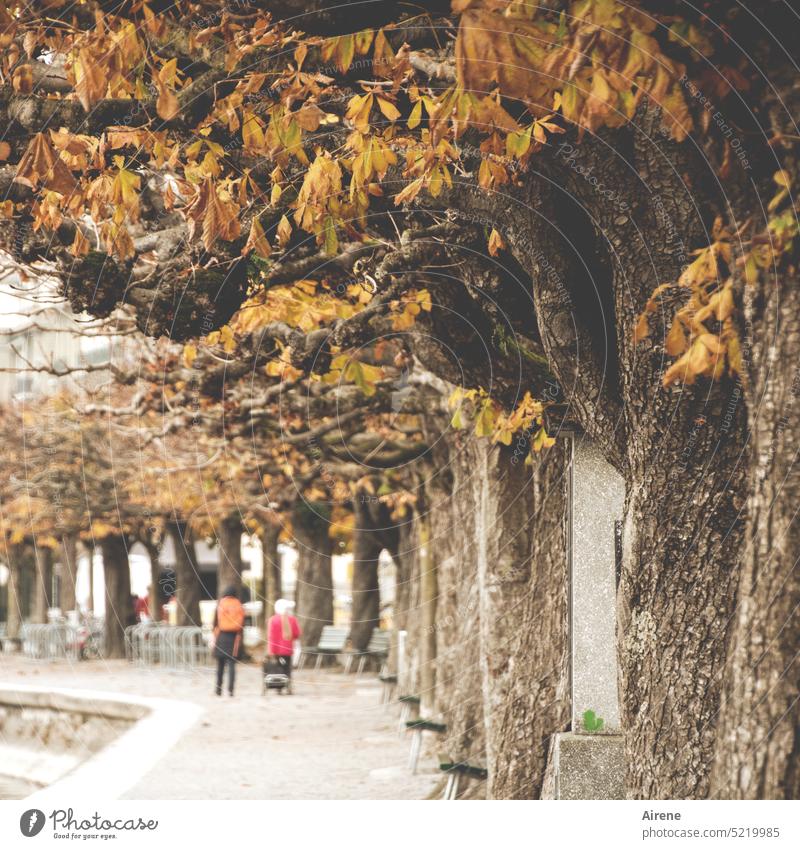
(282, 631)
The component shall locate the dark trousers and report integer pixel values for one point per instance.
(227, 647)
(222, 660)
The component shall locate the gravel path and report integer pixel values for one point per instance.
(331, 740)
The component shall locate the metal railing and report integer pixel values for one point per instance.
(175, 647)
(46, 642)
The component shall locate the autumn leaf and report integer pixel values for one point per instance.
(284, 231)
(80, 244)
(40, 165)
(167, 105)
(496, 243)
(257, 240)
(91, 81)
(389, 110)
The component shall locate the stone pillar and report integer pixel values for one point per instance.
(589, 760)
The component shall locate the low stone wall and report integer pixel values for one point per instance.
(87, 744)
(61, 722)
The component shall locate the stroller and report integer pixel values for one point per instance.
(277, 674)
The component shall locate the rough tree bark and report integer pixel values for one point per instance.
(758, 748)
(402, 546)
(229, 537)
(155, 596)
(367, 547)
(428, 599)
(593, 268)
(119, 604)
(43, 583)
(14, 561)
(69, 572)
(271, 560)
(458, 663)
(314, 592)
(187, 576)
(524, 590)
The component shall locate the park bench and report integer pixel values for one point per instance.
(378, 648)
(332, 641)
(418, 727)
(457, 772)
(408, 705)
(389, 683)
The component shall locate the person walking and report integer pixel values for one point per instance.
(228, 629)
(283, 629)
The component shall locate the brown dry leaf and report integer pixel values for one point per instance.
(676, 339)
(41, 165)
(22, 79)
(257, 241)
(309, 117)
(80, 244)
(284, 230)
(5, 150)
(167, 105)
(219, 218)
(642, 329)
(496, 243)
(91, 81)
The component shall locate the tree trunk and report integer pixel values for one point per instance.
(90, 598)
(155, 597)
(314, 593)
(69, 572)
(229, 571)
(43, 584)
(402, 545)
(271, 560)
(428, 597)
(524, 591)
(758, 746)
(677, 449)
(187, 577)
(14, 561)
(454, 547)
(367, 547)
(119, 604)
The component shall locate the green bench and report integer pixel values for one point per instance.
(417, 727)
(408, 705)
(378, 647)
(331, 643)
(389, 684)
(458, 771)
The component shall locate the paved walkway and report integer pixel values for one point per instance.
(331, 740)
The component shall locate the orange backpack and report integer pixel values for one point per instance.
(230, 614)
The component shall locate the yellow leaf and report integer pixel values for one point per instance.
(189, 354)
(167, 105)
(252, 132)
(390, 111)
(284, 231)
(416, 116)
(257, 241)
(486, 418)
(496, 243)
(542, 440)
(782, 178)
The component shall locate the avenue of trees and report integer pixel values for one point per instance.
(383, 256)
